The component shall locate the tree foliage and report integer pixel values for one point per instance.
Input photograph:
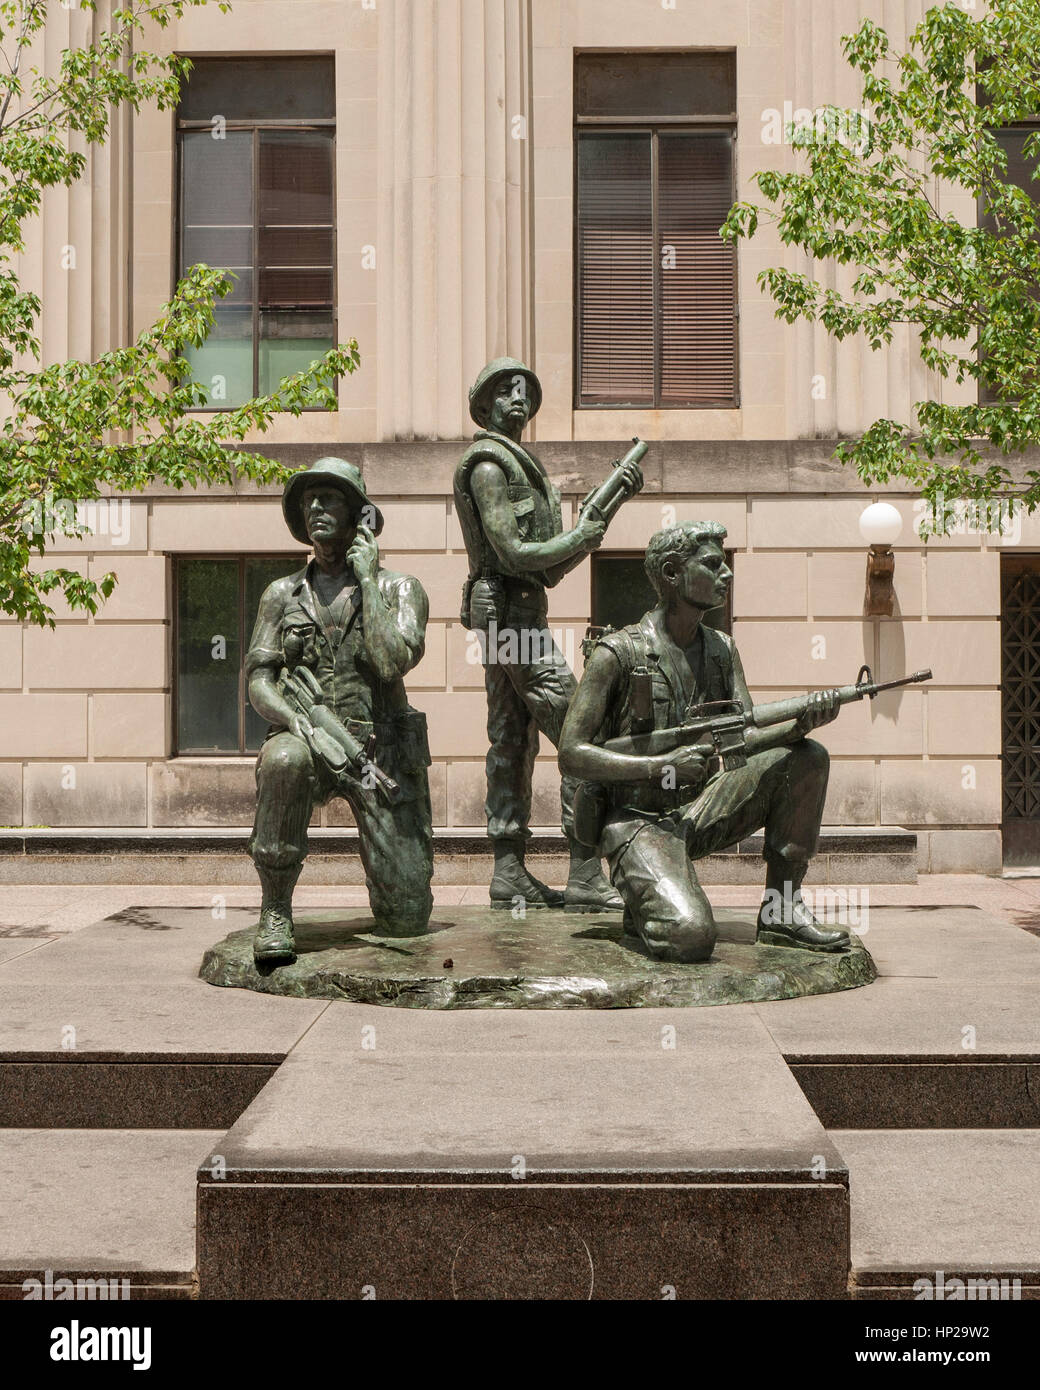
(970, 292)
(73, 431)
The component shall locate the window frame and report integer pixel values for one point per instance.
(245, 632)
(721, 124)
(181, 127)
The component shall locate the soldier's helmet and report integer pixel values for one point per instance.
(332, 472)
(482, 391)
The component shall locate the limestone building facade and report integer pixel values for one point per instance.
(452, 217)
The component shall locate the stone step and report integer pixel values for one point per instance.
(951, 1214)
(99, 1205)
(217, 855)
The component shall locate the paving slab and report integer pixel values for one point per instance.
(950, 944)
(99, 1203)
(22, 942)
(901, 1017)
(127, 987)
(955, 1201)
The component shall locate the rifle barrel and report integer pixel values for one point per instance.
(915, 679)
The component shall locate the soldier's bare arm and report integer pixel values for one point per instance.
(491, 495)
(264, 660)
(581, 757)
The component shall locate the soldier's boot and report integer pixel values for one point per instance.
(512, 883)
(785, 919)
(587, 887)
(274, 941)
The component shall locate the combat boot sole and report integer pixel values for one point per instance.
(774, 938)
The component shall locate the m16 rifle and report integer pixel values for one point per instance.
(605, 501)
(719, 730)
(330, 741)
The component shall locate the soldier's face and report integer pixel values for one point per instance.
(328, 515)
(511, 405)
(702, 579)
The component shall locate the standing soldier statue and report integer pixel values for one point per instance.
(325, 666)
(510, 516)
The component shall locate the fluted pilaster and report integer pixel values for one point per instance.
(454, 194)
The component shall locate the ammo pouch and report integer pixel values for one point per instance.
(591, 804)
(467, 590)
(411, 741)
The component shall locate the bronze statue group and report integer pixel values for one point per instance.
(333, 643)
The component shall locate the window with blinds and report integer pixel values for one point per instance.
(256, 155)
(656, 290)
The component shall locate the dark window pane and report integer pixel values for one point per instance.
(208, 656)
(621, 593)
(229, 248)
(217, 179)
(260, 572)
(1020, 172)
(1020, 169)
(296, 289)
(295, 178)
(296, 246)
(615, 269)
(259, 89)
(647, 85)
(698, 271)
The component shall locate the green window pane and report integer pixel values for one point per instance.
(224, 363)
(208, 656)
(290, 340)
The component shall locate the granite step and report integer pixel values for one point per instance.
(115, 1207)
(635, 1154)
(944, 1214)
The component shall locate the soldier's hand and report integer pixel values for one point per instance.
(824, 706)
(633, 476)
(301, 726)
(690, 767)
(591, 528)
(363, 555)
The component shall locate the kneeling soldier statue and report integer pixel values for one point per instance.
(325, 666)
(653, 811)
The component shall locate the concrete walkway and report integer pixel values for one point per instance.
(69, 907)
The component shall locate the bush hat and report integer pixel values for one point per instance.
(332, 472)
